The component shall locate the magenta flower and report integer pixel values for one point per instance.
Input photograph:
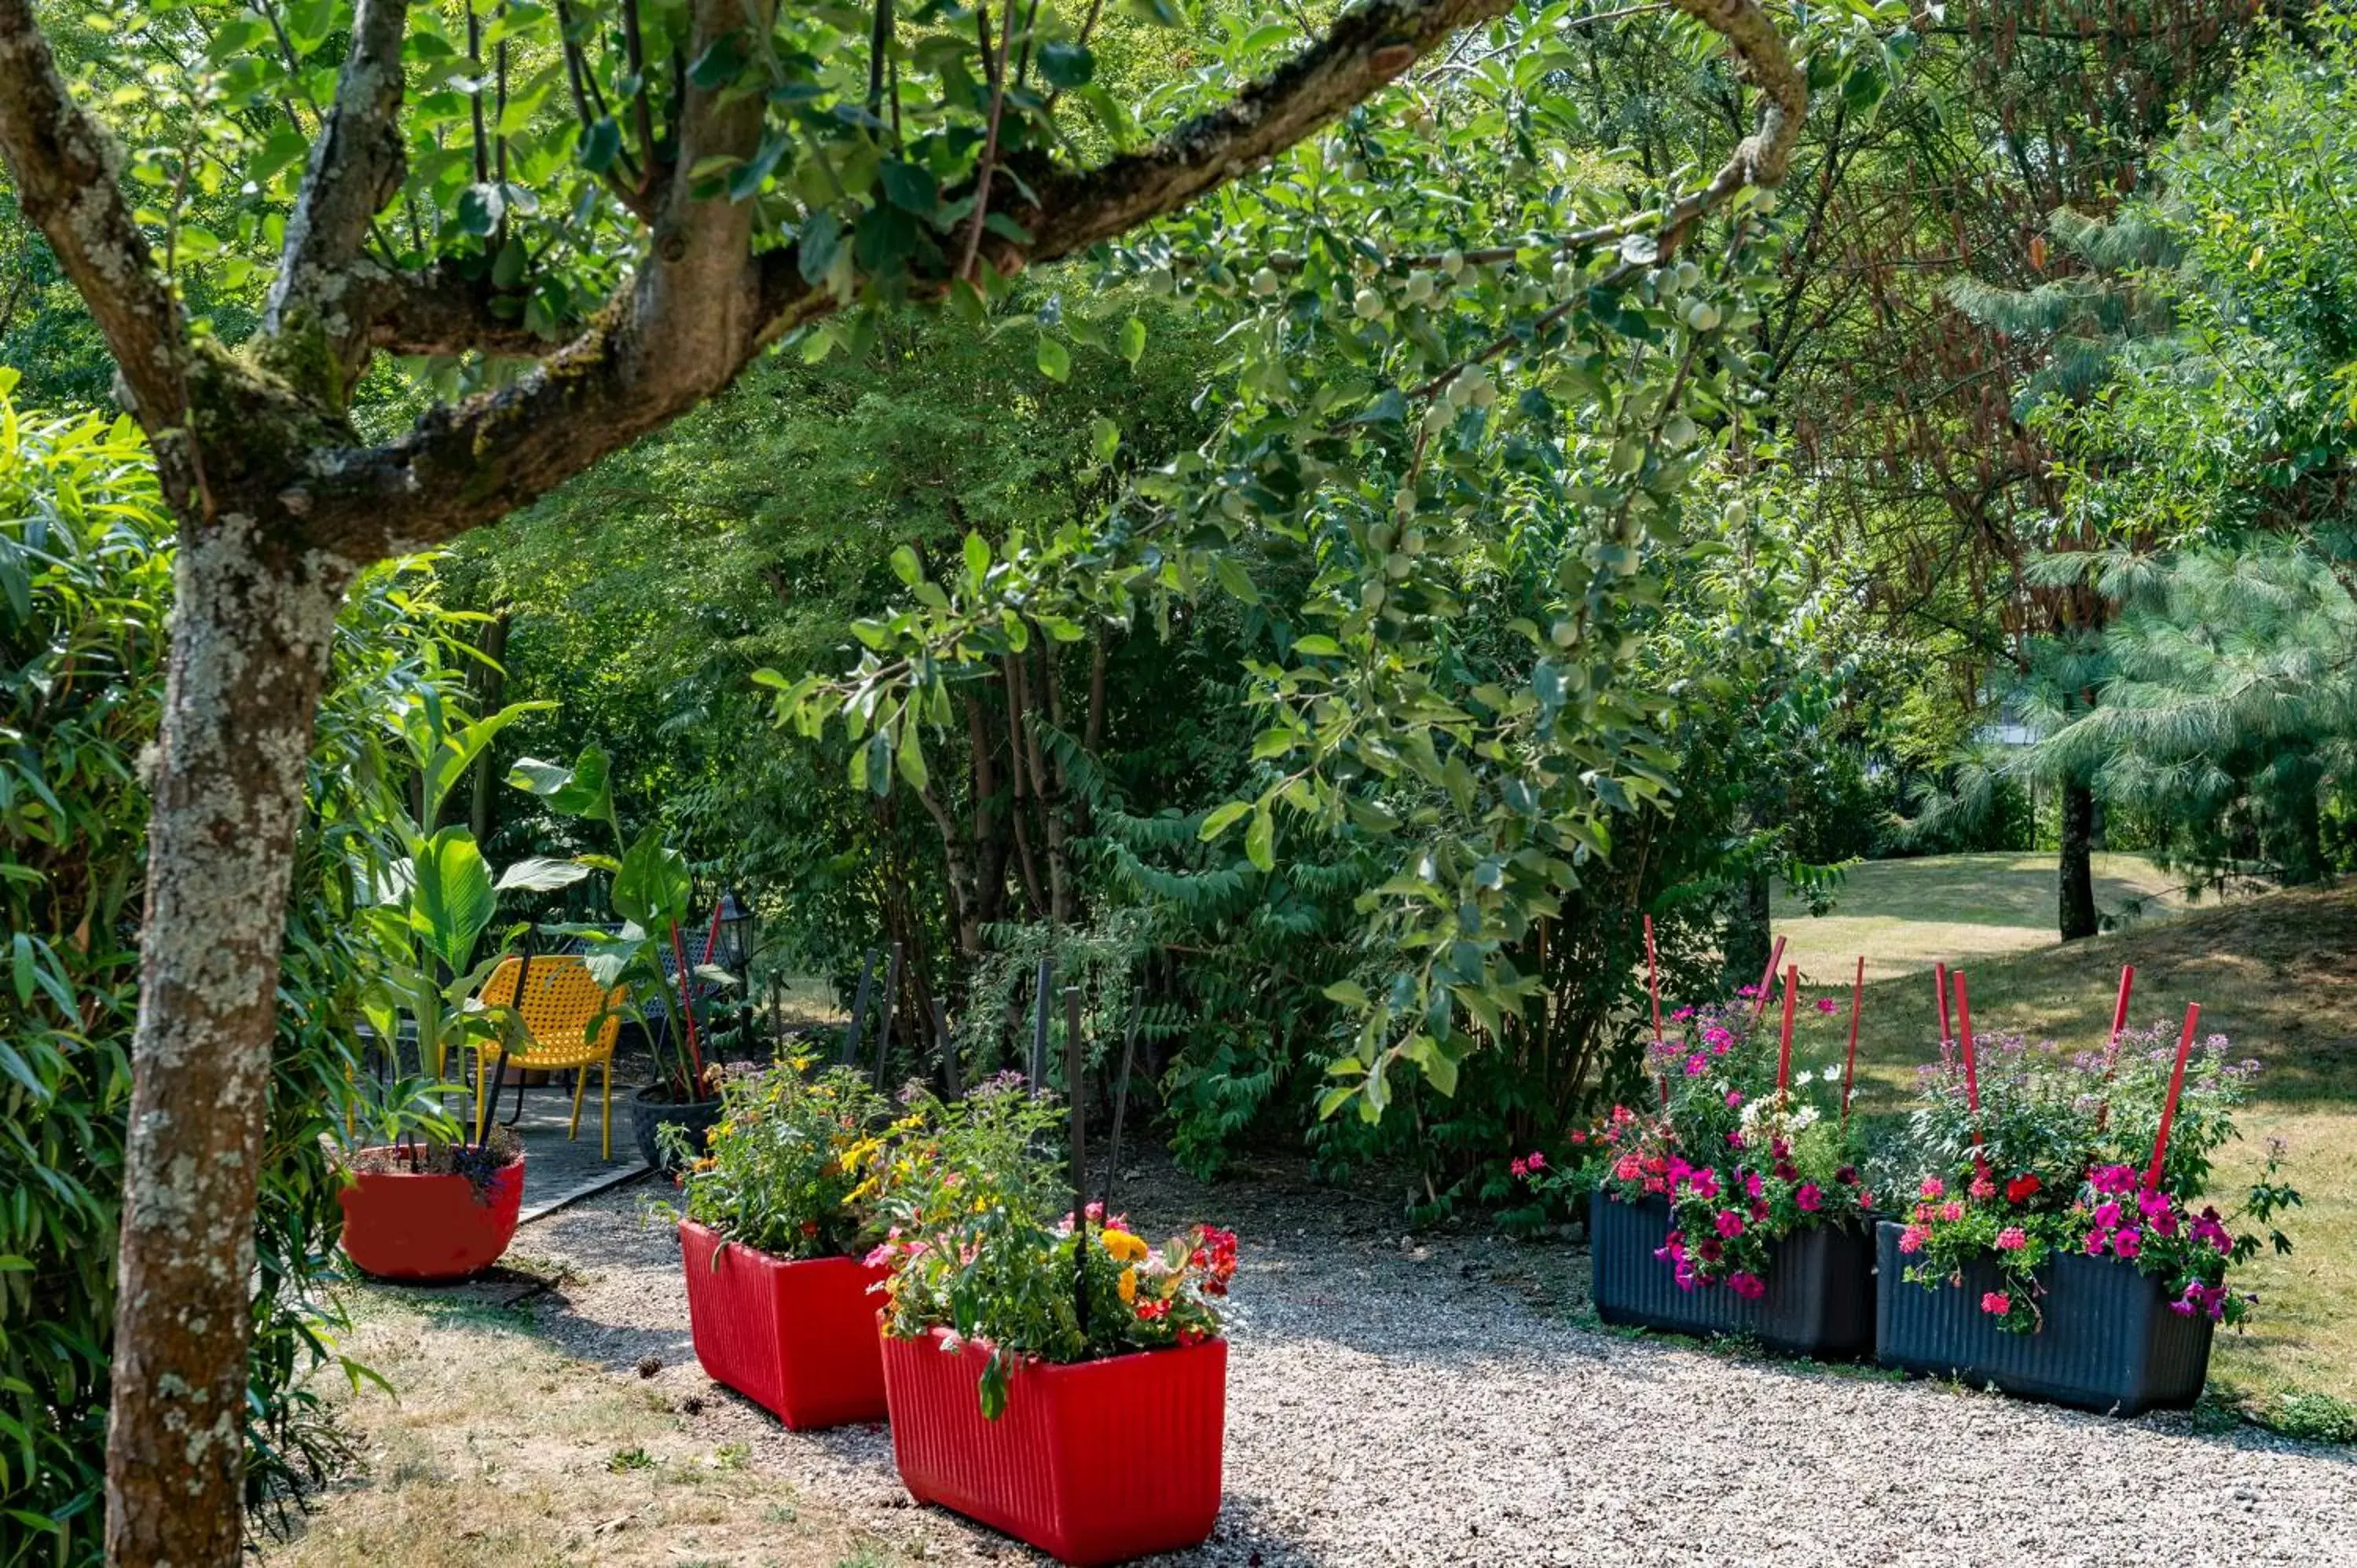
(1731, 1224)
(1537, 1161)
(1932, 1187)
(1996, 1304)
(1752, 1185)
(1734, 1101)
(1682, 1014)
(1717, 1039)
(2107, 1215)
(1912, 1240)
(1808, 1198)
(1705, 1182)
(2012, 1239)
(1750, 1287)
(1824, 1003)
(2127, 1243)
(1695, 1065)
(1520, 1166)
(1952, 1212)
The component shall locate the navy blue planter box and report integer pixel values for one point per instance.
(1820, 1298)
(2110, 1343)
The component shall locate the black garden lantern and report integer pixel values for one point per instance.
(732, 944)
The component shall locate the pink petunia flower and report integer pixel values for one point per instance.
(1808, 1198)
(2128, 1241)
(1825, 1003)
(1730, 1223)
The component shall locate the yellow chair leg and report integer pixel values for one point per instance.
(580, 1082)
(606, 1111)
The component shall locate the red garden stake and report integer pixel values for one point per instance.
(1849, 1063)
(1784, 1043)
(1653, 989)
(687, 1016)
(2169, 1106)
(2112, 1050)
(1767, 978)
(1972, 1077)
(1940, 989)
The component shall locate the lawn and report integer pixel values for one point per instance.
(2272, 971)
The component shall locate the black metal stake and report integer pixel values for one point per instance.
(1121, 1100)
(852, 1037)
(1074, 1072)
(884, 1028)
(948, 1048)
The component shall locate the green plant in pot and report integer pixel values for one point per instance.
(436, 1196)
(651, 891)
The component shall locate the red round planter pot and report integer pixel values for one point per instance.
(1095, 1461)
(797, 1338)
(399, 1225)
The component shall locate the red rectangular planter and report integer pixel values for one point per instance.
(1095, 1461)
(797, 1338)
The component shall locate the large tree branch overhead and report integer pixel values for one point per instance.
(466, 465)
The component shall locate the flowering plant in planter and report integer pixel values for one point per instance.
(2058, 1166)
(786, 1169)
(1741, 1163)
(981, 1242)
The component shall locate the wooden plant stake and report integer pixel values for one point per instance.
(1038, 1067)
(858, 1031)
(884, 1025)
(1940, 989)
(1784, 1040)
(2112, 1047)
(1849, 1062)
(1766, 979)
(1654, 990)
(1075, 1072)
(1972, 1076)
(1121, 1100)
(2169, 1106)
(948, 1048)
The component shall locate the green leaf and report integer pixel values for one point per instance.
(1221, 819)
(450, 899)
(906, 566)
(1348, 993)
(480, 209)
(1234, 578)
(653, 888)
(541, 874)
(1105, 439)
(1055, 359)
(1133, 340)
(1260, 839)
(822, 238)
(1067, 65)
(977, 557)
(910, 186)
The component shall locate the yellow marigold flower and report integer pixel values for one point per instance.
(1124, 1247)
(1128, 1287)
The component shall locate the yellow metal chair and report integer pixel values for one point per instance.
(572, 1022)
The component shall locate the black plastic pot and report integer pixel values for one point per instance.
(651, 1108)
(1820, 1298)
(2109, 1342)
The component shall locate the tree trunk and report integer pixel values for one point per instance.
(2077, 880)
(1744, 945)
(252, 630)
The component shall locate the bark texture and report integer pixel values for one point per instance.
(2075, 882)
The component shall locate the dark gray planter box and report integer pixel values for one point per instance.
(1820, 1299)
(2110, 1343)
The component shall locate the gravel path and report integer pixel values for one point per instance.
(1398, 1402)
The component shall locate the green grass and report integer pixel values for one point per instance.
(2274, 972)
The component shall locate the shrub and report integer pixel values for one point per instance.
(85, 588)
(783, 1171)
(981, 1243)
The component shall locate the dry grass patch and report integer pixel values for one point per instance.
(502, 1451)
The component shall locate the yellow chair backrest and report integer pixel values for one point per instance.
(572, 1019)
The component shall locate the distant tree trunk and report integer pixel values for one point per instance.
(1746, 943)
(2077, 879)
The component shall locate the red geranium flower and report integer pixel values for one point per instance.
(2022, 1188)
(1153, 1311)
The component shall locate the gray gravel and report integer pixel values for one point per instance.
(1392, 1401)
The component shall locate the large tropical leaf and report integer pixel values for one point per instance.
(583, 790)
(453, 899)
(653, 888)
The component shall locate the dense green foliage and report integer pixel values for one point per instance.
(85, 588)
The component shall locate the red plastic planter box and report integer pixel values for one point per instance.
(399, 1225)
(1095, 1461)
(797, 1338)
